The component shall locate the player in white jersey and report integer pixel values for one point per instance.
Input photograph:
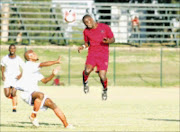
(29, 85)
(10, 67)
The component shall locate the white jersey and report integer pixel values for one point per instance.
(12, 69)
(30, 77)
(12, 65)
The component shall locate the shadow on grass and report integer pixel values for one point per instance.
(24, 124)
(41, 123)
(12, 125)
(163, 119)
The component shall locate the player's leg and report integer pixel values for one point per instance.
(102, 66)
(7, 92)
(14, 98)
(104, 82)
(86, 73)
(50, 104)
(103, 78)
(37, 98)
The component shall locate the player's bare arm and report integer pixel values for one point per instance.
(49, 63)
(83, 47)
(2, 70)
(19, 76)
(108, 40)
(54, 72)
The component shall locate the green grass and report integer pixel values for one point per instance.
(127, 109)
(134, 66)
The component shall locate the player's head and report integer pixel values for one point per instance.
(30, 55)
(12, 49)
(88, 21)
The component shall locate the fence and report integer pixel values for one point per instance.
(34, 22)
(138, 67)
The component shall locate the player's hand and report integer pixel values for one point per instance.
(56, 70)
(59, 60)
(3, 78)
(19, 76)
(106, 40)
(80, 48)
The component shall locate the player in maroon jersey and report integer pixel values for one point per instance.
(97, 37)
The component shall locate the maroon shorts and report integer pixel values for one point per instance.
(100, 61)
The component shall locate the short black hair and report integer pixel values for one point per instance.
(85, 16)
(12, 45)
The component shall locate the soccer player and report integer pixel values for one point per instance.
(31, 93)
(97, 37)
(10, 67)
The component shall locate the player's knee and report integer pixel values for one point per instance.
(7, 95)
(50, 104)
(54, 106)
(41, 96)
(14, 93)
(88, 71)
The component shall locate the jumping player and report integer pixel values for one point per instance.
(10, 67)
(97, 37)
(29, 85)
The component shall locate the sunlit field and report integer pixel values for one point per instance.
(127, 109)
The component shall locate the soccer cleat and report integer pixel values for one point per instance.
(70, 126)
(14, 110)
(86, 87)
(104, 95)
(34, 121)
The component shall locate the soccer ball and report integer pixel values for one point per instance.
(70, 16)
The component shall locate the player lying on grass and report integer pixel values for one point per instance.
(29, 85)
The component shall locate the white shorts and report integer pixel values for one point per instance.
(27, 97)
(10, 82)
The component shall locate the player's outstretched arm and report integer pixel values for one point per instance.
(54, 72)
(49, 63)
(82, 47)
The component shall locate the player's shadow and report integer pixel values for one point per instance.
(41, 123)
(163, 119)
(24, 124)
(12, 125)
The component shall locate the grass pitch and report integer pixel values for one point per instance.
(127, 109)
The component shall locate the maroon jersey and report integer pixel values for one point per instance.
(95, 38)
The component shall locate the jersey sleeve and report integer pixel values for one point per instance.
(109, 32)
(85, 36)
(39, 76)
